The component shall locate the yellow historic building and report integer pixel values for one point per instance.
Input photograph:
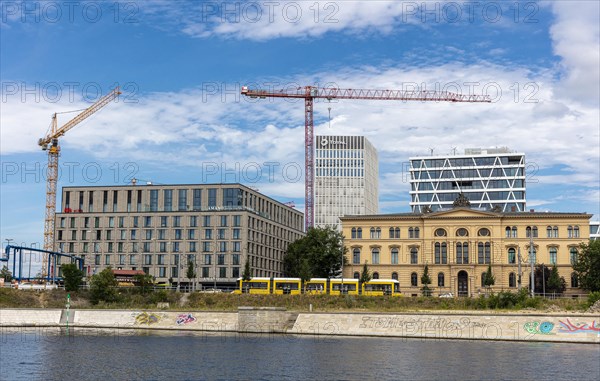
(458, 245)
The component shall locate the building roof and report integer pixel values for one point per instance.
(472, 213)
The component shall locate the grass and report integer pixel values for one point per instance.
(132, 299)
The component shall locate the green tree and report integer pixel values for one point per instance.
(555, 282)
(489, 279)
(365, 275)
(190, 273)
(72, 276)
(103, 287)
(426, 281)
(247, 274)
(587, 266)
(145, 282)
(318, 254)
(6, 274)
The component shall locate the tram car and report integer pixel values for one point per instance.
(330, 286)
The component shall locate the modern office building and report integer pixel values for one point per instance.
(160, 229)
(346, 178)
(459, 244)
(490, 178)
(594, 230)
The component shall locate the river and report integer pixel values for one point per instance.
(140, 355)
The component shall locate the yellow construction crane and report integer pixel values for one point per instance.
(50, 143)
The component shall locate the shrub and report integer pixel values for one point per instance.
(593, 297)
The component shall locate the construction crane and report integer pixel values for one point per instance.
(310, 93)
(50, 143)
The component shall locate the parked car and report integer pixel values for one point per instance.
(447, 295)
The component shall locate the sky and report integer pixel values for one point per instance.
(181, 118)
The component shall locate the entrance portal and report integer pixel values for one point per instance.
(463, 283)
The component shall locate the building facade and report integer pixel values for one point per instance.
(489, 178)
(459, 244)
(160, 229)
(594, 230)
(346, 178)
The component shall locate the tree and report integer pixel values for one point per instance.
(317, 255)
(426, 281)
(247, 274)
(72, 276)
(190, 273)
(365, 276)
(6, 274)
(103, 287)
(587, 266)
(489, 279)
(145, 282)
(555, 282)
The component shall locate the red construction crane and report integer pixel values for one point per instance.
(309, 93)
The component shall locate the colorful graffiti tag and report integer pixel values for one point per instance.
(539, 328)
(185, 319)
(569, 327)
(145, 318)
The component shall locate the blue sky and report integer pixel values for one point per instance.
(181, 118)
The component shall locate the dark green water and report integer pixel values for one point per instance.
(152, 355)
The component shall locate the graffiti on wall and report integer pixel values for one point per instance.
(568, 327)
(185, 319)
(145, 318)
(539, 328)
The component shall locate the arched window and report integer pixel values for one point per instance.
(356, 256)
(375, 256)
(531, 231)
(514, 232)
(462, 253)
(359, 233)
(483, 253)
(548, 231)
(441, 280)
(375, 275)
(414, 255)
(570, 231)
(395, 275)
(417, 231)
(440, 232)
(553, 254)
(356, 275)
(574, 280)
(512, 282)
(507, 230)
(535, 231)
(353, 232)
(394, 255)
(394, 232)
(575, 231)
(411, 232)
(483, 232)
(413, 279)
(441, 253)
(462, 232)
(372, 231)
(378, 232)
(555, 232)
(573, 255)
(512, 255)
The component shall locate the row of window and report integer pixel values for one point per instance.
(394, 232)
(551, 231)
(149, 234)
(462, 254)
(163, 221)
(511, 232)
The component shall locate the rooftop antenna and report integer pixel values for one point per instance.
(329, 110)
(454, 151)
(431, 150)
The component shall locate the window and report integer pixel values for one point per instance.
(147, 259)
(147, 221)
(414, 255)
(197, 199)
(160, 259)
(236, 234)
(154, 200)
(176, 221)
(222, 272)
(570, 231)
(191, 234)
(168, 200)
(206, 221)
(212, 198)
(395, 275)
(394, 255)
(511, 255)
(512, 282)
(132, 260)
(483, 253)
(376, 275)
(222, 247)
(483, 232)
(462, 253)
(507, 230)
(441, 280)
(235, 259)
(553, 253)
(353, 234)
(356, 275)
(440, 232)
(235, 272)
(192, 247)
(413, 279)
(394, 232)
(208, 259)
(178, 233)
(182, 199)
(237, 220)
(441, 253)
(531, 231)
(208, 234)
(575, 231)
(462, 232)
(356, 256)
(573, 255)
(574, 280)
(375, 233)
(221, 259)
(413, 232)
(223, 221)
(205, 272)
(513, 232)
(375, 256)
(359, 233)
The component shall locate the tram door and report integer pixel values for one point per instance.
(463, 283)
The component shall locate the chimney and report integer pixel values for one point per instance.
(531, 210)
(513, 208)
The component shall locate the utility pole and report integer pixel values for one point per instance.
(532, 259)
(520, 271)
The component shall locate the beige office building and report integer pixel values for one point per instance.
(160, 229)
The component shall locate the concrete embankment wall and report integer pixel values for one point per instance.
(581, 328)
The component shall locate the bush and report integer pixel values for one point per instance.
(593, 297)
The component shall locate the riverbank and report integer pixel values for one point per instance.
(553, 327)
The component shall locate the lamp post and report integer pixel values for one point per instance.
(531, 260)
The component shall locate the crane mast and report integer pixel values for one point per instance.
(310, 93)
(50, 143)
